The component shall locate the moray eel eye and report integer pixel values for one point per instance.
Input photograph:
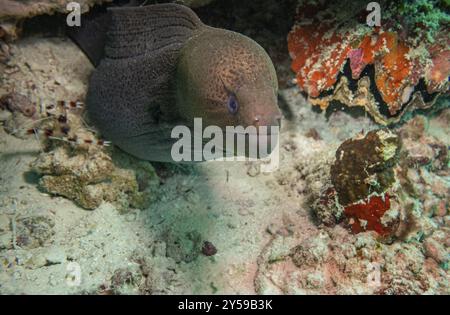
(232, 104)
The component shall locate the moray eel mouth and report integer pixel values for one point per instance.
(250, 145)
(257, 131)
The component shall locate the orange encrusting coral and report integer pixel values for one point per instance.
(317, 72)
(370, 46)
(366, 216)
(393, 72)
(320, 47)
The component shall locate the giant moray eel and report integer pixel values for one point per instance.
(159, 66)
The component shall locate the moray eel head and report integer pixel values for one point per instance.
(227, 79)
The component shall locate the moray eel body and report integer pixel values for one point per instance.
(159, 66)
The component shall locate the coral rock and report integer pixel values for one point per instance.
(209, 249)
(89, 178)
(436, 250)
(362, 178)
(364, 165)
(14, 11)
(383, 69)
(362, 174)
(391, 183)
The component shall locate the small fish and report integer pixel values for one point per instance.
(159, 66)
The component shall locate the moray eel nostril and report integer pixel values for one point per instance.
(159, 66)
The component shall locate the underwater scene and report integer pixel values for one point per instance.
(224, 147)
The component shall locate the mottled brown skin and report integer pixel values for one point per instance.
(162, 67)
(216, 63)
